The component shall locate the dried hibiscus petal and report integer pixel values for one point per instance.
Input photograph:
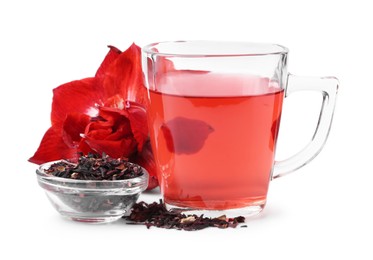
(156, 214)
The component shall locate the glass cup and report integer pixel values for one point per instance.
(214, 112)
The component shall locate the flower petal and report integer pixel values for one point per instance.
(112, 115)
(128, 121)
(124, 76)
(138, 121)
(117, 120)
(115, 149)
(110, 57)
(53, 147)
(80, 96)
(146, 160)
(73, 128)
(84, 147)
(94, 132)
(111, 133)
(115, 102)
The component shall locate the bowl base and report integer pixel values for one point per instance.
(94, 220)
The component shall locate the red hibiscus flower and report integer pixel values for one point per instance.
(105, 113)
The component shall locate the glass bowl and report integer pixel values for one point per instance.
(91, 201)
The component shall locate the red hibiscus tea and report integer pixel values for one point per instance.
(214, 137)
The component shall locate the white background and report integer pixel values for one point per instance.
(323, 211)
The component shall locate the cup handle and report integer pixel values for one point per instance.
(328, 86)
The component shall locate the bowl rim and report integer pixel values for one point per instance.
(46, 177)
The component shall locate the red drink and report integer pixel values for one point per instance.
(214, 138)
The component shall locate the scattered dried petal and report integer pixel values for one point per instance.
(223, 218)
(156, 214)
(187, 220)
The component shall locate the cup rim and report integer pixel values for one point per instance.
(46, 177)
(220, 49)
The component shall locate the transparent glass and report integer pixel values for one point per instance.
(214, 113)
(91, 201)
